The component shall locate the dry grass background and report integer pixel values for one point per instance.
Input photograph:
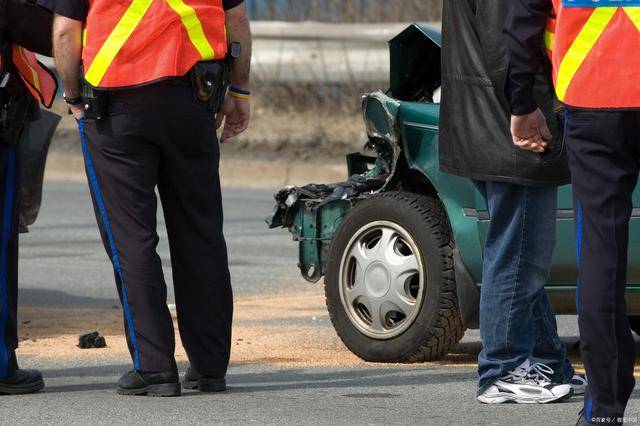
(319, 121)
(327, 98)
(323, 131)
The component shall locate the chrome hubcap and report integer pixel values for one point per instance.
(382, 280)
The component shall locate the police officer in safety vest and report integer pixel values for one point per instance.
(25, 29)
(595, 50)
(149, 82)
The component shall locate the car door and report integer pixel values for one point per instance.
(564, 270)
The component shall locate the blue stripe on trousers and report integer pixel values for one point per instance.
(579, 220)
(93, 180)
(7, 222)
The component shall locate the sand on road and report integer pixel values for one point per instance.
(291, 331)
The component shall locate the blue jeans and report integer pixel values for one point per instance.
(517, 321)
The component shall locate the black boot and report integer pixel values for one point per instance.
(164, 383)
(193, 380)
(22, 381)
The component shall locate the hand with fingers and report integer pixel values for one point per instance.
(77, 111)
(235, 113)
(530, 131)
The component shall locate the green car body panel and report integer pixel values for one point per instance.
(468, 216)
(416, 124)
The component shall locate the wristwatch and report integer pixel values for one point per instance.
(72, 101)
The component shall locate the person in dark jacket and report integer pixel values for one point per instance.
(523, 360)
(23, 25)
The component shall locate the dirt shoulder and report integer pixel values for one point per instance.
(286, 331)
(264, 333)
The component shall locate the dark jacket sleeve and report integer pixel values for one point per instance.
(72, 9)
(29, 26)
(524, 30)
(230, 4)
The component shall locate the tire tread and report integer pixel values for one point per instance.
(448, 329)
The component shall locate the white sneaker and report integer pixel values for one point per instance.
(527, 384)
(578, 383)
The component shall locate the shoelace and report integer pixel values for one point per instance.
(538, 372)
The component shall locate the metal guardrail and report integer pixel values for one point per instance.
(309, 30)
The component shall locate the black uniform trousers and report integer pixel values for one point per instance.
(604, 157)
(158, 136)
(9, 232)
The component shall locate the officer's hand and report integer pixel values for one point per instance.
(236, 114)
(77, 111)
(530, 131)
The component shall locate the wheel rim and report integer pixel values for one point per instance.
(382, 280)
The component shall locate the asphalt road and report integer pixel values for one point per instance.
(63, 265)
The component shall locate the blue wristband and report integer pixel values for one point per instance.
(239, 91)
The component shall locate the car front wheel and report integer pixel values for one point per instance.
(390, 282)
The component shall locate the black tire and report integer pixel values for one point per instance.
(437, 328)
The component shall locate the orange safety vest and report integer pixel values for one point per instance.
(130, 43)
(595, 53)
(40, 81)
(549, 36)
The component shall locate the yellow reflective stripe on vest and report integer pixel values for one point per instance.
(194, 28)
(548, 39)
(582, 45)
(634, 15)
(118, 37)
(34, 74)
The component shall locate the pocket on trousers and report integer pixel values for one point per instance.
(555, 151)
(556, 148)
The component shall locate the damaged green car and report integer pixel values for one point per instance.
(400, 244)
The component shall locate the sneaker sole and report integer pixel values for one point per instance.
(511, 398)
(162, 390)
(21, 389)
(205, 385)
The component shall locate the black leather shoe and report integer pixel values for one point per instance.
(164, 383)
(22, 381)
(193, 380)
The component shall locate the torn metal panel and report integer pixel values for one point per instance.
(314, 229)
(288, 199)
(314, 212)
